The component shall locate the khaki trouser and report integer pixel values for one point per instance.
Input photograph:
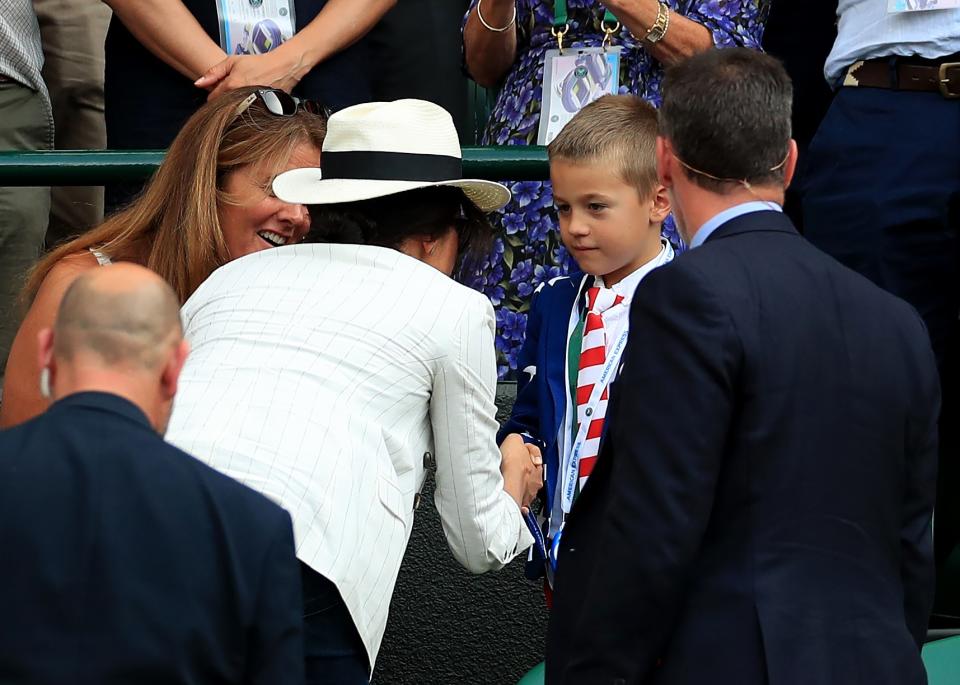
(25, 124)
(73, 32)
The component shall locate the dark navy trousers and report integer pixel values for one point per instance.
(882, 195)
(334, 652)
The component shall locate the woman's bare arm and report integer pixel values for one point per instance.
(340, 24)
(683, 39)
(21, 389)
(490, 54)
(168, 30)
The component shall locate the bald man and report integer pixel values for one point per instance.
(126, 560)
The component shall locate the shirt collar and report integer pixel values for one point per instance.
(103, 401)
(705, 231)
(628, 285)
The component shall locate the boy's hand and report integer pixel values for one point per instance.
(522, 468)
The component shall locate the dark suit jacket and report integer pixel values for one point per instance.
(127, 561)
(761, 508)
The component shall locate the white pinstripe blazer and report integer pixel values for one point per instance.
(322, 375)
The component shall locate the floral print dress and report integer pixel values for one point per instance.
(527, 249)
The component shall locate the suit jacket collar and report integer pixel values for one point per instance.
(554, 337)
(767, 221)
(104, 402)
(560, 318)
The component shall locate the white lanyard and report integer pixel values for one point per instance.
(572, 467)
(566, 425)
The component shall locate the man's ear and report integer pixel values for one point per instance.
(664, 162)
(790, 166)
(45, 348)
(659, 204)
(46, 362)
(170, 375)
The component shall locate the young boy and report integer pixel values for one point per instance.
(611, 208)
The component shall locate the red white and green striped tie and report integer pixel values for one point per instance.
(593, 356)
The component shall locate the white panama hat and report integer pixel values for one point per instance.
(383, 148)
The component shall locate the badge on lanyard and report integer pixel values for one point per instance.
(253, 27)
(898, 6)
(575, 77)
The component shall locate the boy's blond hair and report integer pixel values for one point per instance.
(619, 131)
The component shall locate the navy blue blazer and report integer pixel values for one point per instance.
(542, 399)
(761, 508)
(128, 561)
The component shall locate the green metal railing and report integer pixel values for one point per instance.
(97, 167)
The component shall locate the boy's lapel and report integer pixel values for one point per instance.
(558, 324)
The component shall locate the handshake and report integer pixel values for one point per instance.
(522, 468)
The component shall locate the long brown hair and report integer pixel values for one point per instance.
(173, 227)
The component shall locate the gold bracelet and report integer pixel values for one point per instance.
(483, 21)
(660, 26)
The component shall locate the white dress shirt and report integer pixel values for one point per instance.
(867, 30)
(330, 377)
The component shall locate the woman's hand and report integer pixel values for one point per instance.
(522, 468)
(684, 37)
(278, 68)
(339, 24)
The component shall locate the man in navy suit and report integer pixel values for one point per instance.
(126, 560)
(761, 509)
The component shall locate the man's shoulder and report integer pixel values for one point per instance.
(219, 486)
(158, 455)
(150, 456)
(130, 465)
(862, 294)
(736, 275)
(682, 276)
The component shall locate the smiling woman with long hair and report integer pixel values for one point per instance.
(209, 202)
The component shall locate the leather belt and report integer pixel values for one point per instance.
(902, 73)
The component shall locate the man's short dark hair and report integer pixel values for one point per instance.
(726, 112)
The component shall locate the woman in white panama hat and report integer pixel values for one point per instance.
(334, 374)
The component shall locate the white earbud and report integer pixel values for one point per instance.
(45, 391)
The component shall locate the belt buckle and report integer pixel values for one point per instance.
(944, 81)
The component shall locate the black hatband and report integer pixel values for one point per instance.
(390, 166)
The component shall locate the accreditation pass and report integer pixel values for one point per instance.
(253, 27)
(896, 6)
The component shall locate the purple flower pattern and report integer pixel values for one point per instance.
(528, 250)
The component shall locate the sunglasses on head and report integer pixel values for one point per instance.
(282, 104)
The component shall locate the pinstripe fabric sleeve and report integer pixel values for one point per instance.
(482, 523)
